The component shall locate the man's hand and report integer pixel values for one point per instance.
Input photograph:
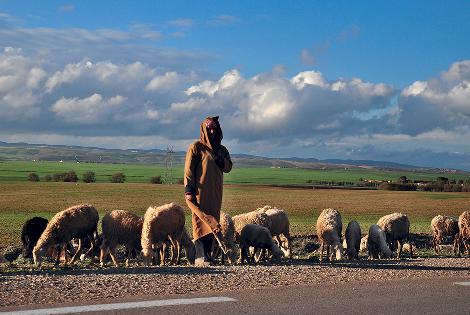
(190, 197)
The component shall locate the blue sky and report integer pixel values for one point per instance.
(373, 79)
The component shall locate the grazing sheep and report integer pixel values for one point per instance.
(227, 228)
(30, 233)
(279, 228)
(464, 233)
(363, 247)
(253, 217)
(259, 237)
(397, 229)
(377, 243)
(188, 246)
(75, 222)
(443, 226)
(353, 240)
(120, 228)
(160, 223)
(329, 229)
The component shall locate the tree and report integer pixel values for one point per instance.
(403, 179)
(156, 180)
(33, 177)
(89, 177)
(118, 177)
(71, 176)
(47, 178)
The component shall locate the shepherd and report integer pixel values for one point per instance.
(206, 161)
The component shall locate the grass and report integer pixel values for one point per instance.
(11, 171)
(22, 200)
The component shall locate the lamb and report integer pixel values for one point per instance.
(259, 237)
(329, 228)
(30, 233)
(464, 233)
(353, 240)
(186, 243)
(279, 228)
(377, 243)
(160, 223)
(120, 228)
(397, 229)
(227, 228)
(443, 226)
(253, 217)
(79, 221)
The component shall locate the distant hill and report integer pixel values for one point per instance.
(43, 152)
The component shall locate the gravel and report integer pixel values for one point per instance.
(33, 287)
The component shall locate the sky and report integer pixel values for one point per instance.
(376, 80)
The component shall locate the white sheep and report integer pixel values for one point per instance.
(227, 228)
(279, 228)
(258, 237)
(160, 223)
(377, 243)
(120, 228)
(464, 233)
(75, 222)
(329, 229)
(353, 240)
(443, 226)
(397, 229)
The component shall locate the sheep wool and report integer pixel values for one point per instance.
(464, 232)
(397, 230)
(443, 226)
(329, 229)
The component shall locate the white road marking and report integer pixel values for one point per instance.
(463, 283)
(121, 306)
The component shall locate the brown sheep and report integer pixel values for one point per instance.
(464, 233)
(75, 222)
(329, 229)
(160, 223)
(120, 228)
(397, 230)
(443, 226)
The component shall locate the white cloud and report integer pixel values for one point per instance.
(181, 22)
(164, 82)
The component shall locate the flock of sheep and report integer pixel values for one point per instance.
(259, 234)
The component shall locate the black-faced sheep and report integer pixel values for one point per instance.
(258, 237)
(120, 228)
(444, 226)
(464, 232)
(377, 243)
(75, 222)
(329, 229)
(397, 230)
(253, 217)
(279, 228)
(353, 240)
(160, 223)
(30, 233)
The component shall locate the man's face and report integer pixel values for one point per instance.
(212, 132)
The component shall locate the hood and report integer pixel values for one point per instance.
(204, 136)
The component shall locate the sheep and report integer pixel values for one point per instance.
(259, 237)
(353, 240)
(444, 226)
(79, 221)
(253, 217)
(279, 228)
(397, 229)
(30, 233)
(464, 233)
(160, 223)
(329, 228)
(186, 243)
(120, 227)
(227, 228)
(363, 247)
(377, 243)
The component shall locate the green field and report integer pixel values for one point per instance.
(22, 200)
(141, 173)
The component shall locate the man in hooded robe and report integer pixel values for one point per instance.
(206, 161)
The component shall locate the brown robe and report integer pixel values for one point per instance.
(204, 178)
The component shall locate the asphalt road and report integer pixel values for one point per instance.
(428, 296)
